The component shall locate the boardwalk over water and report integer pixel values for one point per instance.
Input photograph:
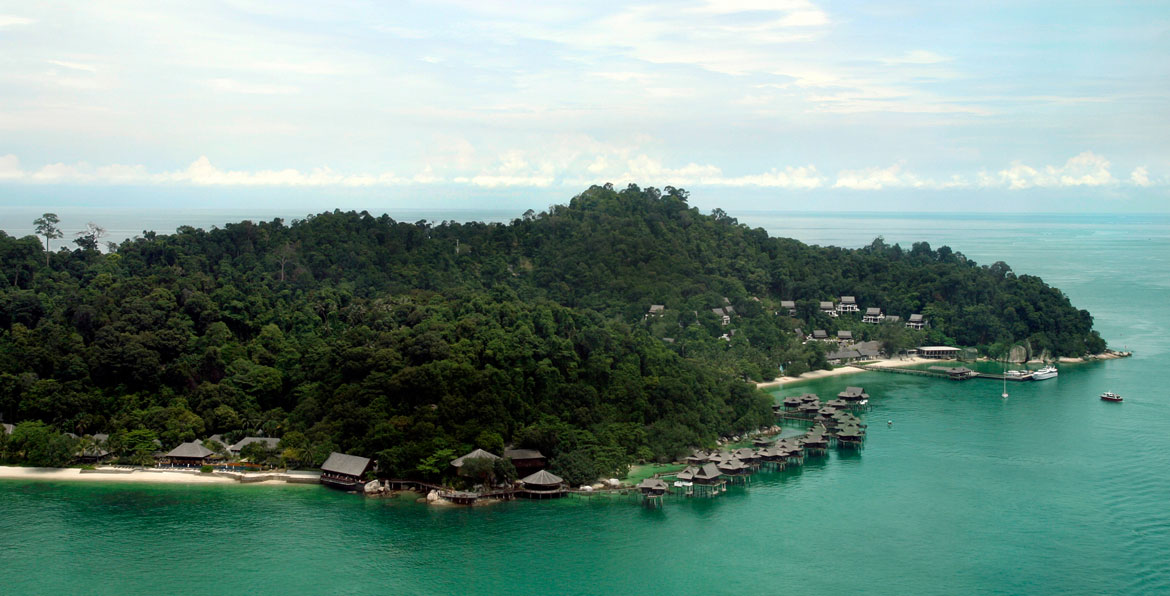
(939, 374)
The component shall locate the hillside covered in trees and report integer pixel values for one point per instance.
(414, 342)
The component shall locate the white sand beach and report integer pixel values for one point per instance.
(841, 370)
(137, 475)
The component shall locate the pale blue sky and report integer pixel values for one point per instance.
(786, 104)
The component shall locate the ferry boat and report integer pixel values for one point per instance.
(1045, 373)
(1110, 396)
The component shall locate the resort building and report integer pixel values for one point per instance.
(542, 485)
(848, 304)
(268, 442)
(939, 352)
(869, 349)
(819, 335)
(192, 454)
(788, 305)
(526, 460)
(652, 487)
(723, 314)
(873, 314)
(916, 322)
(8, 428)
(457, 463)
(344, 471)
(827, 307)
(893, 319)
(656, 310)
(843, 356)
(845, 336)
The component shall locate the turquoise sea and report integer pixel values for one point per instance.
(1051, 491)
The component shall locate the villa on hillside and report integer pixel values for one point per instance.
(819, 335)
(790, 306)
(828, 308)
(723, 314)
(845, 336)
(848, 304)
(916, 322)
(873, 314)
(656, 310)
(526, 460)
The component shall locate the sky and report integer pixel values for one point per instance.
(749, 104)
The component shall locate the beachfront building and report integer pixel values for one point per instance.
(827, 307)
(95, 452)
(847, 305)
(344, 471)
(526, 461)
(542, 485)
(268, 442)
(788, 306)
(870, 350)
(939, 352)
(916, 322)
(188, 455)
(843, 356)
(873, 314)
(457, 463)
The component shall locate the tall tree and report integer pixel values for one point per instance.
(89, 238)
(46, 226)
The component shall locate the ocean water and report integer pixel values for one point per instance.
(1050, 491)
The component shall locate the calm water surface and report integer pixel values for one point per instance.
(1049, 492)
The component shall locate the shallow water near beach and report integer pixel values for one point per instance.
(1049, 491)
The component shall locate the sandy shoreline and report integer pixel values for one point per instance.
(140, 475)
(841, 370)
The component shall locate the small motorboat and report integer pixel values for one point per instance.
(1110, 396)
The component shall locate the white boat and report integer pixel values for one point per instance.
(1018, 374)
(1045, 373)
(1110, 396)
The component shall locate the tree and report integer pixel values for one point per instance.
(89, 239)
(36, 443)
(46, 225)
(482, 468)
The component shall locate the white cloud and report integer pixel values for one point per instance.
(1140, 176)
(7, 20)
(73, 65)
(878, 178)
(1085, 169)
(10, 167)
(802, 177)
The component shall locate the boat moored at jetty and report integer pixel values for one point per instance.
(1045, 373)
(1110, 396)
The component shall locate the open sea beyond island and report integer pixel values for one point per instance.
(1051, 491)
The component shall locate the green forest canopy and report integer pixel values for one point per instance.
(410, 341)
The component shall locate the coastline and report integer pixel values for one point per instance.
(145, 475)
(841, 370)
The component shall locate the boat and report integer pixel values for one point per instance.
(1045, 373)
(1110, 396)
(1018, 374)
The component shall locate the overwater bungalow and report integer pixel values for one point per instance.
(344, 471)
(808, 398)
(837, 403)
(653, 487)
(854, 395)
(956, 373)
(697, 458)
(792, 403)
(762, 442)
(542, 485)
(850, 437)
(809, 408)
(708, 474)
(687, 474)
(187, 455)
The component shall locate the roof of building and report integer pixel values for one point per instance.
(819, 334)
(873, 310)
(269, 442)
(788, 304)
(844, 334)
(191, 449)
(657, 308)
(798, 331)
(826, 304)
(937, 349)
(848, 300)
(915, 318)
(652, 484)
(515, 454)
(342, 463)
(8, 428)
(718, 311)
(843, 354)
(687, 474)
(477, 454)
(542, 478)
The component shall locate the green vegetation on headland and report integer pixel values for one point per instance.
(414, 342)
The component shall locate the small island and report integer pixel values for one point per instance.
(624, 327)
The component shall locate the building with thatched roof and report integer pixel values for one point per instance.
(191, 454)
(652, 487)
(788, 306)
(457, 463)
(707, 474)
(268, 442)
(344, 471)
(873, 314)
(542, 485)
(526, 460)
(848, 304)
